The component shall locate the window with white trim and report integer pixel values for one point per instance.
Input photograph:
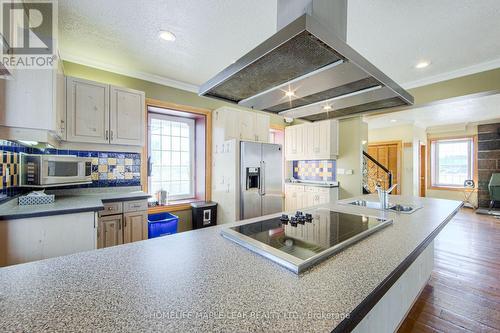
(451, 162)
(171, 149)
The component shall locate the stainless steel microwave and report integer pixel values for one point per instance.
(54, 170)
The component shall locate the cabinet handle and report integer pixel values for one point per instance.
(111, 135)
(125, 223)
(107, 135)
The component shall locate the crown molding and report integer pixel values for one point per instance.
(474, 69)
(128, 72)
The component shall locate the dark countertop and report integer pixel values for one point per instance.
(199, 281)
(68, 203)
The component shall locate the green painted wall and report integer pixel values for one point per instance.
(155, 90)
(466, 85)
(353, 135)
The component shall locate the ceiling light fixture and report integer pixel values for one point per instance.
(422, 64)
(393, 120)
(327, 108)
(166, 35)
(289, 93)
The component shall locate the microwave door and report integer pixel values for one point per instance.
(64, 171)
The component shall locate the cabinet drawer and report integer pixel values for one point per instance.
(134, 206)
(294, 188)
(311, 189)
(323, 190)
(111, 208)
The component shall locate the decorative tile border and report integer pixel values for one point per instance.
(324, 170)
(109, 169)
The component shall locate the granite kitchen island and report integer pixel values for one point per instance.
(199, 281)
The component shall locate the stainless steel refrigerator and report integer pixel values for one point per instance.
(261, 182)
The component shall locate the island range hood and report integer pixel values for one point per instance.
(307, 70)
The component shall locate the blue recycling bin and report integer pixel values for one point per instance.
(162, 224)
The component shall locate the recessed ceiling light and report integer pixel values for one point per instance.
(422, 64)
(327, 108)
(393, 120)
(166, 35)
(289, 93)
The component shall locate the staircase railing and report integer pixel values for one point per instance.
(375, 173)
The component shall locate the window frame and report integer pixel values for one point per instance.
(433, 159)
(192, 165)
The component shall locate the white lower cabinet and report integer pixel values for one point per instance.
(304, 196)
(36, 238)
(392, 308)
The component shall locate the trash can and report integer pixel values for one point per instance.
(162, 224)
(204, 214)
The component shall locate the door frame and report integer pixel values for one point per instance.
(422, 169)
(399, 145)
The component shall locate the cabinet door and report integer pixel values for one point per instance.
(60, 103)
(289, 142)
(324, 146)
(328, 135)
(135, 227)
(87, 113)
(127, 116)
(300, 145)
(110, 231)
(261, 128)
(318, 139)
(247, 125)
(28, 99)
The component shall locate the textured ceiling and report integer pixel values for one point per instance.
(122, 35)
(453, 34)
(475, 109)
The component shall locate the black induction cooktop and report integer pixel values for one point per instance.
(303, 239)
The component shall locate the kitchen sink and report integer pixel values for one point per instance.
(400, 208)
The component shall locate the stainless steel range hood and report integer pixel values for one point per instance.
(307, 70)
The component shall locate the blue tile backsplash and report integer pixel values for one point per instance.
(324, 170)
(109, 169)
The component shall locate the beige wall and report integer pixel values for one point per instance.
(447, 132)
(408, 182)
(411, 169)
(352, 133)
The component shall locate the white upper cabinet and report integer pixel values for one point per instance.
(247, 126)
(34, 99)
(262, 124)
(295, 142)
(241, 125)
(87, 111)
(100, 113)
(127, 116)
(314, 141)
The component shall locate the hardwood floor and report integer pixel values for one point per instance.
(463, 293)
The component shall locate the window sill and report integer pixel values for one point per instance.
(452, 188)
(173, 206)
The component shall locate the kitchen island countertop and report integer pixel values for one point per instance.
(199, 281)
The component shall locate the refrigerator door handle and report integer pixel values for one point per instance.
(262, 178)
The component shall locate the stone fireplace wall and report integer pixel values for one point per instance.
(488, 159)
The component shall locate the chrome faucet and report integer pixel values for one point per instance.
(383, 195)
